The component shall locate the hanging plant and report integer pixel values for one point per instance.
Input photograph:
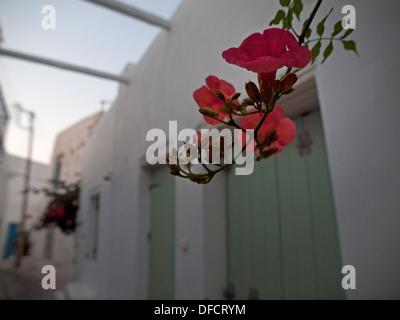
(62, 209)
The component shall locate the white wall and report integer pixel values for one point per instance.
(361, 116)
(14, 171)
(161, 90)
(360, 122)
(3, 188)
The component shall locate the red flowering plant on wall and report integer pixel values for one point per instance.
(263, 54)
(62, 208)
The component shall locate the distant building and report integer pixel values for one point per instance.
(3, 120)
(329, 200)
(14, 169)
(12, 184)
(51, 243)
(3, 174)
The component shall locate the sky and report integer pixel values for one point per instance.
(86, 35)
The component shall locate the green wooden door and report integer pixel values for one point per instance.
(282, 233)
(162, 235)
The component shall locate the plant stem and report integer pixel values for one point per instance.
(231, 121)
(290, 24)
(310, 20)
(205, 167)
(306, 27)
(258, 129)
(320, 39)
(245, 113)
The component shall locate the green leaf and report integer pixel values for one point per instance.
(304, 25)
(338, 28)
(297, 8)
(280, 15)
(347, 33)
(350, 45)
(308, 33)
(321, 25)
(315, 51)
(285, 3)
(321, 28)
(328, 51)
(285, 23)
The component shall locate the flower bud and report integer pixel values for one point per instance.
(173, 168)
(199, 178)
(288, 82)
(223, 110)
(277, 86)
(236, 96)
(208, 112)
(236, 106)
(220, 95)
(247, 102)
(252, 91)
(290, 90)
(272, 137)
(264, 96)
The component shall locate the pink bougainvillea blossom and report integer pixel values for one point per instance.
(56, 213)
(285, 129)
(206, 98)
(268, 52)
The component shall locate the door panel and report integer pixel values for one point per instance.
(281, 224)
(267, 274)
(296, 227)
(10, 247)
(328, 259)
(162, 235)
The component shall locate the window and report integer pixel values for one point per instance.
(93, 228)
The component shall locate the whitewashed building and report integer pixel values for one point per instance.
(331, 202)
(3, 172)
(51, 244)
(14, 175)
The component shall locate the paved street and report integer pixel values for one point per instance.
(25, 284)
(15, 285)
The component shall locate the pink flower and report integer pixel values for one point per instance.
(57, 213)
(206, 98)
(268, 52)
(275, 121)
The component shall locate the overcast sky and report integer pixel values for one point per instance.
(85, 35)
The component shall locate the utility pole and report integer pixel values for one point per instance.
(25, 200)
